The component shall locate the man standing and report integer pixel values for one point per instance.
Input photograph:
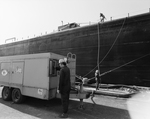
(64, 87)
(97, 78)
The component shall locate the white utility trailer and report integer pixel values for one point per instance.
(34, 75)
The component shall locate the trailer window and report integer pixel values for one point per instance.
(53, 67)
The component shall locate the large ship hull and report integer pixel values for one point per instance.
(123, 45)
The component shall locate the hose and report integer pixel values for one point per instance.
(98, 49)
(121, 66)
(109, 49)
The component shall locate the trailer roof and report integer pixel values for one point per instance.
(31, 56)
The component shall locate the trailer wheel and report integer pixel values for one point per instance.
(17, 97)
(6, 93)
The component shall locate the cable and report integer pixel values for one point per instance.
(124, 64)
(98, 43)
(109, 49)
(113, 42)
(121, 66)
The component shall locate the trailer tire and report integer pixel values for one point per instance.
(6, 93)
(17, 97)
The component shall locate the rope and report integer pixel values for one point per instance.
(121, 66)
(109, 49)
(98, 43)
(113, 42)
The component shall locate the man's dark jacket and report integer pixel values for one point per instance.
(64, 80)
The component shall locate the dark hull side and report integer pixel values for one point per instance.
(128, 39)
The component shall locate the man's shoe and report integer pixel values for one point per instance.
(63, 115)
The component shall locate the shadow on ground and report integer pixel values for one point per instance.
(44, 109)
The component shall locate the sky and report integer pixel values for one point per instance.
(24, 19)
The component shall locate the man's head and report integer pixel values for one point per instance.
(62, 63)
(96, 71)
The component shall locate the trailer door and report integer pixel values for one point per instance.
(53, 83)
(17, 73)
(5, 73)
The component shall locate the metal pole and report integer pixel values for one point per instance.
(128, 14)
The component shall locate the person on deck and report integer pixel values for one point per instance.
(102, 17)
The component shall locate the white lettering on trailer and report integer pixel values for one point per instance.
(4, 72)
(18, 70)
